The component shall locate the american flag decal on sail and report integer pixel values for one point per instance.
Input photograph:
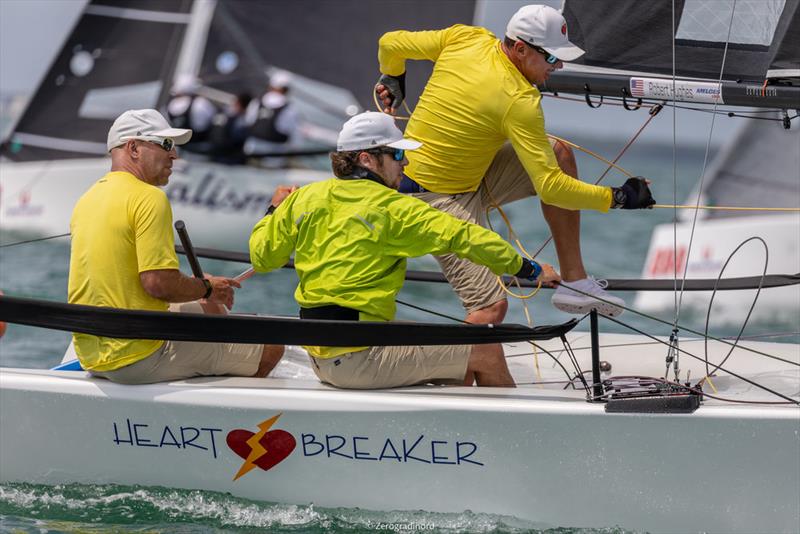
(637, 87)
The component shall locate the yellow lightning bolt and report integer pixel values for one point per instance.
(256, 449)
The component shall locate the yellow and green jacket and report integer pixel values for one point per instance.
(473, 103)
(351, 239)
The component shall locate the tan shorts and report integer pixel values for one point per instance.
(177, 360)
(391, 367)
(506, 180)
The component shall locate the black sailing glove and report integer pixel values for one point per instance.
(396, 85)
(633, 195)
(529, 270)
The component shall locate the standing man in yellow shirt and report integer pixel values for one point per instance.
(482, 127)
(351, 236)
(123, 256)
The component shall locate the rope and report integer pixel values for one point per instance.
(723, 208)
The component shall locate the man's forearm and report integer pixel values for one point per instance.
(171, 285)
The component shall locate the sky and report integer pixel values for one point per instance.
(32, 31)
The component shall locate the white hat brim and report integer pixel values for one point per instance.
(180, 136)
(405, 144)
(570, 52)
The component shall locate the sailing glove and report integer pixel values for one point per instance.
(530, 270)
(633, 195)
(396, 85)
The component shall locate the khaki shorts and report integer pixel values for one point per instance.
(177, 360)
(506, 180)
(391, 367)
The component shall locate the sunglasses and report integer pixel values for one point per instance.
(398, 154)
(167, 144)
(548, 57)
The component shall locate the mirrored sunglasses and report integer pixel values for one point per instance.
(548, 57)
(167, 144)
(398, 154)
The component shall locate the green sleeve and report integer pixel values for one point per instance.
(417, 229)
(273, 238)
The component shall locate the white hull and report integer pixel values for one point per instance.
(219, 203)
(714, 241)
(536, 452)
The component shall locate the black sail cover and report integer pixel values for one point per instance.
(762, 36)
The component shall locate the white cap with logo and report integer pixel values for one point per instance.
(372, 129)
(544, 27)
(145, 124)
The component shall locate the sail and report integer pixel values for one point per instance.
(125, 54)
(748, 44)
(117, 57)
(331, 42)
(759, 166)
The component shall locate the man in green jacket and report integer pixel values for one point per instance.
(351, 236)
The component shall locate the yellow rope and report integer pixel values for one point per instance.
(587, 151)
(722, 208)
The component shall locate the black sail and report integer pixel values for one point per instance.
(117, 57)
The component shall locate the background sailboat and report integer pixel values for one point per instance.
(732, 53)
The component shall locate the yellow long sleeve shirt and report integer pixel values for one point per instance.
(351, 239)
(474, 102)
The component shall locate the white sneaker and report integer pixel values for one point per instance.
(570, 301)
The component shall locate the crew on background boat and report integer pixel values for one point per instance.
(123, 256)
(187, 109)
(351, 236)
(230, 131)
(273, 120)
(484, 143)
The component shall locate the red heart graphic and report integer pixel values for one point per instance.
(278, 443)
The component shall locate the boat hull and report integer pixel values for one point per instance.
(219, 203)
(714, 241)
(544, 455)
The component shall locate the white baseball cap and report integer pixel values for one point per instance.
(280, 79)
(145, 124)
(372, 129)
(544, 27)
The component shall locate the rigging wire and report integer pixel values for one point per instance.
(752, 306)
(34, 240)
(751, 382)
(702, 172)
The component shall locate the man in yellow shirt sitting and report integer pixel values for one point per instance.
(351, 236)
(123, 256)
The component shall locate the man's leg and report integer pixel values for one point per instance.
(492, 314)
(270, 357)
(565, 225)
(488, 367)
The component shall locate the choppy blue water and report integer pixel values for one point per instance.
(614, 245)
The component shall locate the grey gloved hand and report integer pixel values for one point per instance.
(396, 87)
(633, 195)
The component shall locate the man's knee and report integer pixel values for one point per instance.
(493, 313)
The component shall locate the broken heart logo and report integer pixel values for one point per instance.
(263, 449)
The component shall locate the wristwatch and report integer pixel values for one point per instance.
(618, 197)
(209, 288)
(270, 209)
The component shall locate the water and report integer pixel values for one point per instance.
(614, 245)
